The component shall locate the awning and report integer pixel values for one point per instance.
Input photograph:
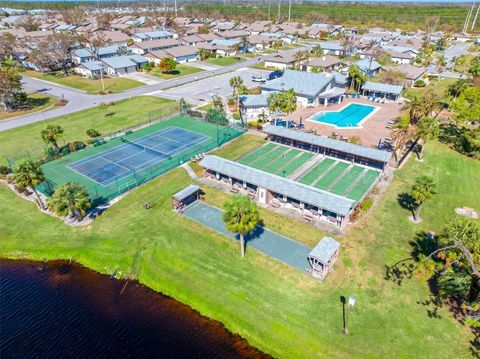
(333, 92)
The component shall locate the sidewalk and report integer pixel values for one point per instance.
(273, 244)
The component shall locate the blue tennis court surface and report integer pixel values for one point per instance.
(106, 167)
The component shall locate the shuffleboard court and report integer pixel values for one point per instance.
(111, 165)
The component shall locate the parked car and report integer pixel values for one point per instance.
(258, 79)
(275, 74)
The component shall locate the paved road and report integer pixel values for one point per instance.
(78, 100)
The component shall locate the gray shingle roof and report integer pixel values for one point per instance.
(82, 53)
(325, 249)
(92, 65)
(365, 65)
(187, 191)
(281, 185)
(304, 83)
(371, 153)
(383, 88)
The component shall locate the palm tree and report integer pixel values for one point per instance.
(236, 83)
(441, 63)
(289, 101)
(414, 107)
(422, 190)
(51, 134)
(357, 77)
(29, 174)
(317, 51)
(241, 216)
(244, 43)
(70, 199)
(427, 129)
(299, 57)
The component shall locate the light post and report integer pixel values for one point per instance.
(351, 303)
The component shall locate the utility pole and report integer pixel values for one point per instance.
(467, 20)
(175, 9)
(278, 15)
(475, 18)
(269, 9)
(289, 9)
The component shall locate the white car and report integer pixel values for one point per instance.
(258, 79)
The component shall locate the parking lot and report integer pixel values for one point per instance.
(199, 92)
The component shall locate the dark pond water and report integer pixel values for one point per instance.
(59, 310)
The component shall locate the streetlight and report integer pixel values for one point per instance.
(351, 303)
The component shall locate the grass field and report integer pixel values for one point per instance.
(224, 61)
(181, 70)
(438, 87)
(36, 102)
(112, 84)
(276, 308)
(123, 114)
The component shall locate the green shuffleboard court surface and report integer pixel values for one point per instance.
(117, 166)
(281, 161)
(251, 157)
(295, 164)
(317, 171)
(332, 175)
(346, 181)
(363, 184)
(265, 160)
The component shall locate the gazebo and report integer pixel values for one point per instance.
(185, 197)
(323, 256)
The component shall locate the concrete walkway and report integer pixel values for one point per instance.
(275, 245)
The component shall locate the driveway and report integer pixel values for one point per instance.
(143, 78)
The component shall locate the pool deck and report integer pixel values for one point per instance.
(371, 130)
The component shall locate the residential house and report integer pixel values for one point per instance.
(257, 27)
(368, 66)
(90, 69)
(318, 31)
(336, 48)
(325, 63)
(254, 105)
(122, 65)
(183, 54)
(143, 47)
(281, 61)
(152, 35)
(233, 34)
(191, 40)
(209, 37)
(412, 73)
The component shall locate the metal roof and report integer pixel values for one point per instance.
(259, 100)
(281, 185)
(303, 83)
(92, 65)
(366, 65)
(119, 62)
(82, 53)
(336, 46)
(342, 146)
(187, 191)
(383, 88)
(325, 249)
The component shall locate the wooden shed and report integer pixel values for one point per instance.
(185, 197)
(323, 256)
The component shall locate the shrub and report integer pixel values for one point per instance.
(92, 133)
(60, 102)
(231, 101)
(102, 105)
(419, 83)
(4, 170)
(236, 116)
(355, 140)
(111, 103)
(361, 209)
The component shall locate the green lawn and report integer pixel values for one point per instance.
(122, 115)
(275, 307)
(115, 84)
(438, 87)
(205, 107)
(181, 70)
(36, 102)
(225, 61)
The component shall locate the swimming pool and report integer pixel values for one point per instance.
(351, 115)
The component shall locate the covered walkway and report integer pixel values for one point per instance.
(275, 245)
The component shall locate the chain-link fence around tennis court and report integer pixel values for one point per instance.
(57, 172)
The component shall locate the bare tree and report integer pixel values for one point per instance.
(55, 51)
(7, 45)
(29, 23)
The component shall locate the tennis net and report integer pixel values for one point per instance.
(146, 148)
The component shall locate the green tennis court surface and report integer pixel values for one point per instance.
(116, 167)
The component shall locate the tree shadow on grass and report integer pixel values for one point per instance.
(422, 245)
(406, 201)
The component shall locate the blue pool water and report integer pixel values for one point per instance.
(349, 116)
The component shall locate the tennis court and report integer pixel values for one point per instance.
(125, 162)
(109, 166)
